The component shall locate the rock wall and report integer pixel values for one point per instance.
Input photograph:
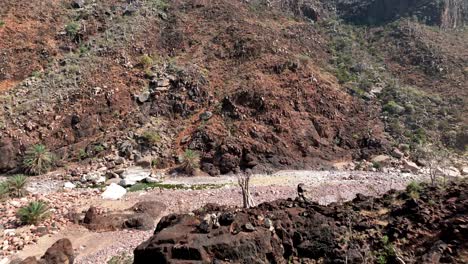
(447, 14)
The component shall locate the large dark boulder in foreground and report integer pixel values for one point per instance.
(415, 226)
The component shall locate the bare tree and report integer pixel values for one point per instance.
(436, 159)
(243, 180)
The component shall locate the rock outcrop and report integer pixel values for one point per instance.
(298, 231)
(447, 14)
(61, 252)
(140, 216)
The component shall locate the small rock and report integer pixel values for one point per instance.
(249, 227)
(78, 3)
(464, 170)
(397, 153)
(409, 166)
(206, 115)
(144, 96)
(381, 159)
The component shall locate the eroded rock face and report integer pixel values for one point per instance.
(305, 232)
(8, 155)
(446, 13)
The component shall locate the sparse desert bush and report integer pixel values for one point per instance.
(72, 29)
(151, 137)
(37, 160)
(146, 61)
(2, 23)
(413, 189)
(159, 5)
(121, 259)
(190, 160)
(393, 108)
(16, 185)
(33, 213)
(4, 190)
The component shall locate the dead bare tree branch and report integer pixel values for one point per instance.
(243, 180)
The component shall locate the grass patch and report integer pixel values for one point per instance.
(148, 186)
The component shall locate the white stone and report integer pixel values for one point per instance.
(449, 171)
(464, 170)
(113, 192)
(101, 179)
(15, 203)
(151, 180)
(4, 261)
(69, 185)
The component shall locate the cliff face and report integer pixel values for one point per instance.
(447, 14)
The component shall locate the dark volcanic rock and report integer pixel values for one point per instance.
(304, 232)
(140, 216)
(445, 13)
(8, 155)
(61, 252)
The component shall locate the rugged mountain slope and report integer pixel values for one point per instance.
(256, 88)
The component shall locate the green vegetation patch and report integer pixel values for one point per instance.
(145, 186)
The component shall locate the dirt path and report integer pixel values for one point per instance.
(325, 186)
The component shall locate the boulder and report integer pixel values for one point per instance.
(78, 3)
(409, 166)
(464, 170)
(449, 171)
(140, 216)
(397, 153)
(61, 252)
(8, 155)
(132, 175)
(144, 96)
(381, 159)
(113, 192)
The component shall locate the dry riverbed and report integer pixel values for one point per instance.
(93, 247)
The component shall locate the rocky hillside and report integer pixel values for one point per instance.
(275, 84)
(420, 225)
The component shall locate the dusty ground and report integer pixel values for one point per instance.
(326, 186)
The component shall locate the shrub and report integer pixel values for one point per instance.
(37, 160)
(146, 61)
(72, 29)
(4, 189)
(161, 5)
(121, 259)
(413, 189)
(393, 108)
(17, 184)
(33, 213)
(151, 137)
(82, 154)
(190, 161)
(2, 23)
